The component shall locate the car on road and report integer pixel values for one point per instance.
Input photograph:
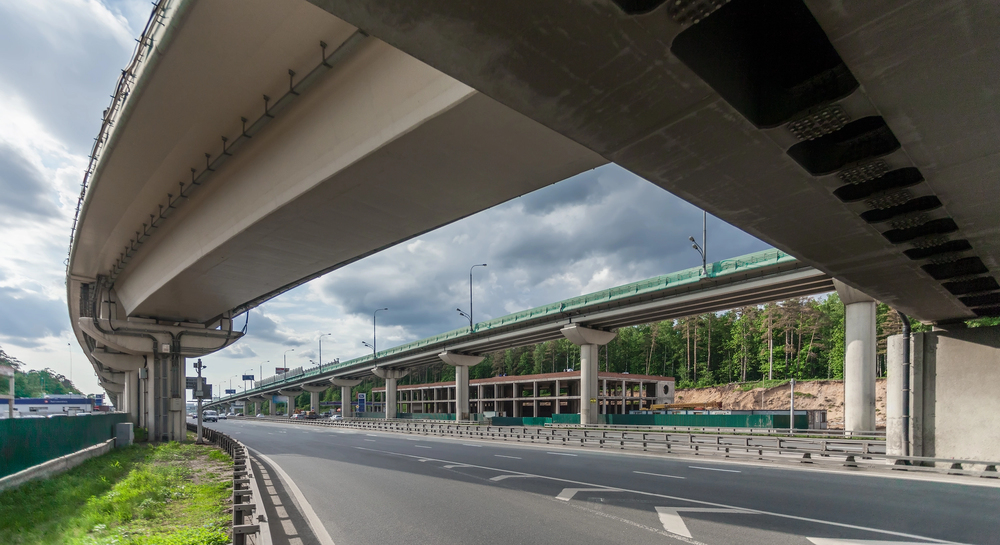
(209, 416)
(337, 417)
(260, 415)
(222, 416)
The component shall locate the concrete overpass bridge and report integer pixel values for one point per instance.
(588, 320)
(252, 146)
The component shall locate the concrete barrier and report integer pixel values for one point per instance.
(55, 466)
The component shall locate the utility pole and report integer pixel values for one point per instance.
(197, 394)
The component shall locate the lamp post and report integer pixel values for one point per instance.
(460, 311)
(704, 240)
(374, 339)
(70, 348)
(284, 362)
(321, 348)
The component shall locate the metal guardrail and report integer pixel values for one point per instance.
(854, 453)
(774, 432)
(243, 484)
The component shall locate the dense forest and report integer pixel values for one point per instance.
(801, 338)
(34, 383)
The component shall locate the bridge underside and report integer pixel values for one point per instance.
(860, 137)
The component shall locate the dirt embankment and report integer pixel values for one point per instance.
(809, 395)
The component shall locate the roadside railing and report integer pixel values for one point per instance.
(244, 485)
(818, 451)
(775, 432)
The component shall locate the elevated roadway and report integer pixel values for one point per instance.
(746, 280)
(254, 145)
(860, 137)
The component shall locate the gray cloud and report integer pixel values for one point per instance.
(27, 318)
(600, 229)
(62, 61)
(264, 328)
(26, 194)
(239, 351)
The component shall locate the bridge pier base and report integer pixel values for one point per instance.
(346, 400)
(390, 376)
(589, 340)
(314, 391)
(859, 358)
(461, 362)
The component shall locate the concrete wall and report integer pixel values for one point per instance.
(955, 399)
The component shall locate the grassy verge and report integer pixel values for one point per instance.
(155, 494)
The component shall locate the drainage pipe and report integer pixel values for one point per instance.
(906, 382)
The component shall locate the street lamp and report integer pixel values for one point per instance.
(284, 362)
(701, 249)
(321, 347)
(460, 311)
(374, 338)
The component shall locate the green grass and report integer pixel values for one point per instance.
(162, 494)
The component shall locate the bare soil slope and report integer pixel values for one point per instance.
(810, 395)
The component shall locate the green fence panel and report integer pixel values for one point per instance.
(566, 418)
(26, 442)
(425, 416)
(506, 421)
(801, 421)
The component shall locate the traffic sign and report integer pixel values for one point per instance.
(247, 377)
(231, 391)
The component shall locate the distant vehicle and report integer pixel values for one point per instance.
(210, 416)
(260, 415)
(337, 417)
(311, 415)
(298, 416)
(57, 415)
(192, 415)
(222, 416)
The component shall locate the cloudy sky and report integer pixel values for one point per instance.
(59, 60)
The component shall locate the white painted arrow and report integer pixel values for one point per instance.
(672, 522)
(568, 493)
(833, 541)
(504, 477)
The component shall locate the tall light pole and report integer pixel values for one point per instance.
(460, 311)
(321, 347)
(284, 362)
(70, 345)
(704, 241)
(374, 343)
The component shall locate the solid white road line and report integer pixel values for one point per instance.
(511, 457)
(314, 522)
(372, 440)
(560, 454)
(715, 469)
(829, 541)
(421, 446)
(658, 475)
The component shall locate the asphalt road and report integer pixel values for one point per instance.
(379, 488)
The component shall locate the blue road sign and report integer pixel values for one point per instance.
(230, 391)
(247, 377)
(361, 402)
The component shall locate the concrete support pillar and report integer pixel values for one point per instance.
(461, 362)
(894, 394)
(589, 340)
(314, 392)
(346, 399)
(555, 398)
(859, 358)
(390, 376)
(131, 396)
